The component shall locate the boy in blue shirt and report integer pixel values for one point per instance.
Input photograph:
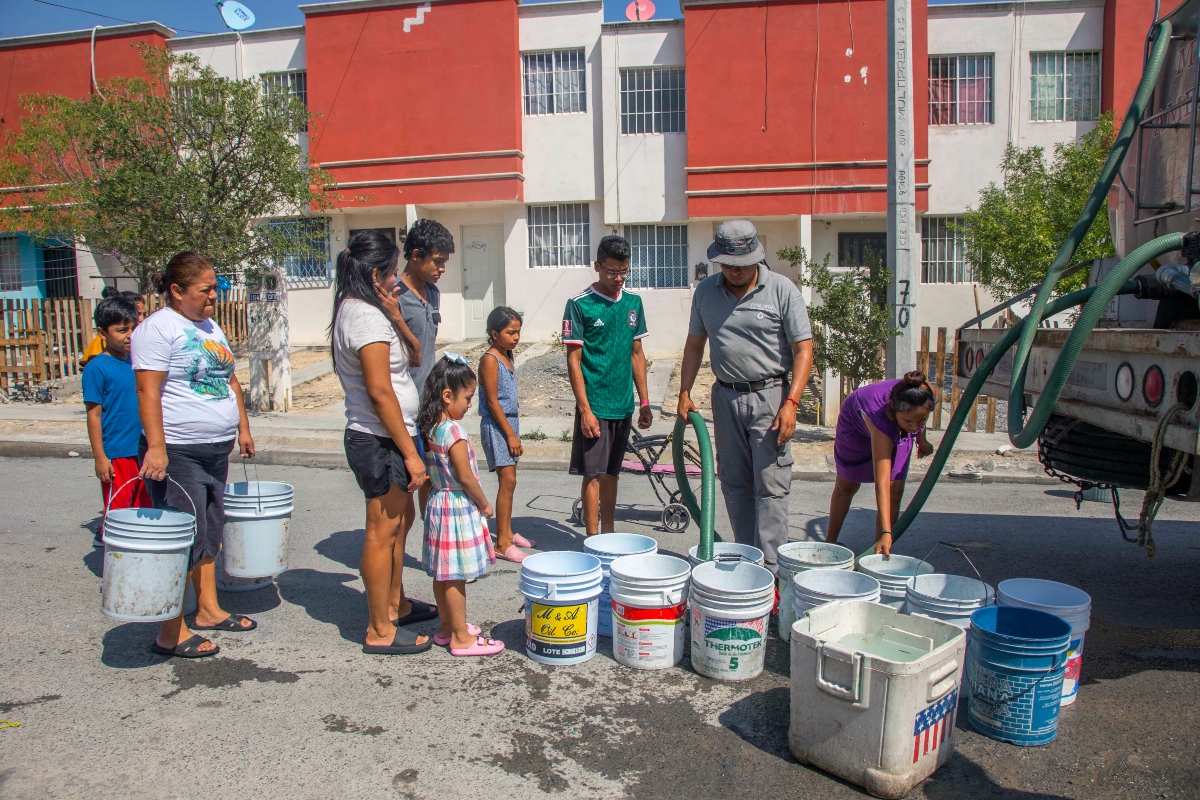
(110, 396)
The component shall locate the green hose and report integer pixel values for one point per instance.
(1020, 433)
(704, 513)
(1094, 300)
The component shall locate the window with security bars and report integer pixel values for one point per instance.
(555, 82)
(960, 90)
(659, 256)
(308, 262)
(292, 83)
(653, 100)
(1064, 87)
(862, 249)
(943, 251)
(10, 264)
(558, 235)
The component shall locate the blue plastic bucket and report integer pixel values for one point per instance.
(608, 547)
(1015, 663)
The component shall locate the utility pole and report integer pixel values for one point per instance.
(904, 244)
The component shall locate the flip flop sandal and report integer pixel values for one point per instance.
(403, 643)
(421, 612)
(189, 648)
(473, 630)
(231, 623)
(482, 647)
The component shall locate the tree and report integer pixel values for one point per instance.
(1014, 234)
(177, 159)
(850, 326)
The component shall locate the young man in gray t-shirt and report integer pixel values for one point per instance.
(426, 249)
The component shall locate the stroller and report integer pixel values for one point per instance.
(647, 450)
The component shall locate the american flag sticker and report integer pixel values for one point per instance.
(566, 328)
(934, 725)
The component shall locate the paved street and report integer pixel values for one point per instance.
(295, 710)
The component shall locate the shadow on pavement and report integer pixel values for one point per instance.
(345, 547)
(548, 534)
(326, 598)
(258, 601)
(94, 561)
(128, 646)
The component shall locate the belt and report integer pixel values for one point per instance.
(745, 387)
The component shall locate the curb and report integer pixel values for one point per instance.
(326, 459)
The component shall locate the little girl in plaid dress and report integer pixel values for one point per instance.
(457, 545)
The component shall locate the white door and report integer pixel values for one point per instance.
(483, 275)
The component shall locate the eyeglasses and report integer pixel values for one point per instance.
(616, 273)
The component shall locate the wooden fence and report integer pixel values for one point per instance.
(939, 363)
(43, 340)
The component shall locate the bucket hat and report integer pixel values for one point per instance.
(736, 244)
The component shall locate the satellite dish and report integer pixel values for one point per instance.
(639, 10)
(236, 15)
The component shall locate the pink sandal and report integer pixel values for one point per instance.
(482, 647)
(511, 553)
(474, 630)
(521, 541)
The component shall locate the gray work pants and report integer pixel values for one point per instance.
(755, 471)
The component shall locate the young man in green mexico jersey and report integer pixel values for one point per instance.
(603, 328)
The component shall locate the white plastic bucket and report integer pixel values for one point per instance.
(146, 558)
(257, 515)
(649, 606)
(608, 547)
(797, 557)
(894, 574)
(562, 591)
(228, 583)
(817, 587)
(950, 598)
(1062, 600)
(728, 552)
(731, 607)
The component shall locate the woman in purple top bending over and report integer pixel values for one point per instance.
(876, 429)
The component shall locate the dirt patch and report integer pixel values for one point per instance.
(339, 724)
(46, 698)
(300, 360)
(544, 389)
(317, 395)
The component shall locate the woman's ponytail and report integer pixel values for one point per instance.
(912, 391)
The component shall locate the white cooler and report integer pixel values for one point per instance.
(874, 694)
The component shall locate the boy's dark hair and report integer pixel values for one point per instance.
(113, 311)
(614, 247)
(133, 297)
(427, 236)
(446, 374)
(913, 391)
(368, 254)
(109, 291)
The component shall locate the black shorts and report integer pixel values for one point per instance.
(603, 456)
(198, 473)
(376, 463)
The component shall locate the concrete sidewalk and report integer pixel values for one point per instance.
(315, 439)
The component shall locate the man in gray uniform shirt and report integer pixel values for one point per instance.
(760, 349)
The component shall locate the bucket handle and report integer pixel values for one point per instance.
(942, 680)
(108, 505)
(257, 482)
(552, 590)
(854, 693)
